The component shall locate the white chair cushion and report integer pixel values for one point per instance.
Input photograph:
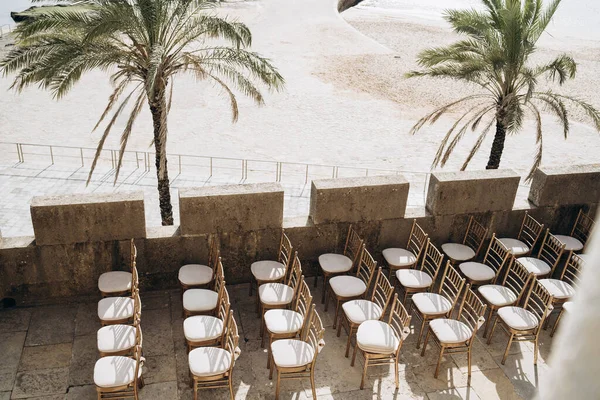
(477, 271)
(413, 278)
(209, 361)
(283, 321)
(568, 306)
(114, 282)
(114, 338)
(113, 371)
(200, 300)
(275, 293)
(202, 327)
(450, 330)
(292, 353)
(497, 295)
(195, 274)
(558, 289)
(399, 257)
(115, 308)
(431, 303)
(359, 311)
(571, 244)
(377, 337)
(514, 246)
(518, 318)
(535, 265)
(266, 271)
(458, 252)
(335, 263)
(347, 286)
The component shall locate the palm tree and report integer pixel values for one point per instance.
(495, 56)
(144, 44)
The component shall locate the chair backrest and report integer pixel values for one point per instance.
(571, 272)
(452, 284)
(530, 231)
(496, 255)
(382, 293)
(475, 235)
(432, 260)
(132, 254)
(223, 303)
(232, 337)
(303, 300)
(137, 354)
(285, 250)
(471, 312)
(214, 252)
(539, 302)
(314, 332)
(139, 338)
(417, 240)
(583, 226)
(551, 250)
(517, 279)
(295, 273)
(219, 276)
(135, 279)
(399, 321)
(366, 268)
(353, 246)
(137, 303)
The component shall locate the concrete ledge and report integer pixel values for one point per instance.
(471, 191)
(358, 199)
(88, 217)
(231, 208)
(578, 184)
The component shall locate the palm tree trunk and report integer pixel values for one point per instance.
(158, 108)
(497, 145)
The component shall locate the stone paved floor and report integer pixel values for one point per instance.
(48, 352)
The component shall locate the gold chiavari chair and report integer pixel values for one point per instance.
(427, 306)
(119, 377)
(296, 359)
(576, 240)
(208, 330)
(470, 246)
(523, 324)
(197, 275)
(212, 367)
(496, 257)
(266, 271)
(457, 335)
(547, 258)
(420, 280)
(332, 264)
(204, 301)
(528, 236)
(279, 295)
(119, 283)
(355, 312)
(120, 310)
(400, 258)
(120, 339)
(380, 342)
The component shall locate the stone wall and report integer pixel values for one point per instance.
(80, 237)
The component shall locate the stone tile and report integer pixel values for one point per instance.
(155, 301)
(493, 384)
(15, 320)
(160, 369)
(159, 391)
(85, 354)
(46, 357)
(87, 392)
(465, 393)
(51, 325)
(39, 383)
(5, 395)
(499, 342)
(449, 376)
(11, 347)
(481, 359)
(86, 319)
(158, 339)
(523, 374)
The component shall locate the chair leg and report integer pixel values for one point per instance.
(195, 390)
(337, 310)
(339, 329)
(487, 322)
(469, 363)
(350, 330)
(556, 322)
(272, 367)
(277, 387)
(492, 331)
(354, 354)
(396, 372)
(510, 339)
(231, 388)
(421, 332)
(437, 368)
(535, 351)
(425, 343)
(312, 383)
(364, 374)
(405, 297)
(325, 297)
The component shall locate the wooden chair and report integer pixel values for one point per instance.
(470, 246)
(212, 367)
(563, 289)
(429, 306)
(119, 283)
(526, 239)
(208, 330)
(399, 258)
(507, 293)
(332, 264)
(296, 359)
(120, 310)
(119, 340)
(380, 342)
(457, 335)
(280, 295)
(119, 377)
(355, 312)
(420, 280)
(197, 275)
(547, 258)
(204, 301)
(576, 240)
(523, 324)
(287, 324)
(344, 288)
(496, 257)
(266, 271)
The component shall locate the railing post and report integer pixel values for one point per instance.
(306, 177)
(367, 173)
(51, 155)
(19, 153)
(81, 154)
(211, 167)
(22, 154)
(180, 164)
(137, 160)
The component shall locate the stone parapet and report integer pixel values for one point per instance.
(578, 184)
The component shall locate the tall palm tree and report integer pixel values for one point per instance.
(495, 56)
(144, 44)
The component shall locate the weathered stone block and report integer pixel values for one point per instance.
(230, 208)
(358, 199)
(88, 217)
(471, 191)
(579, 184)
